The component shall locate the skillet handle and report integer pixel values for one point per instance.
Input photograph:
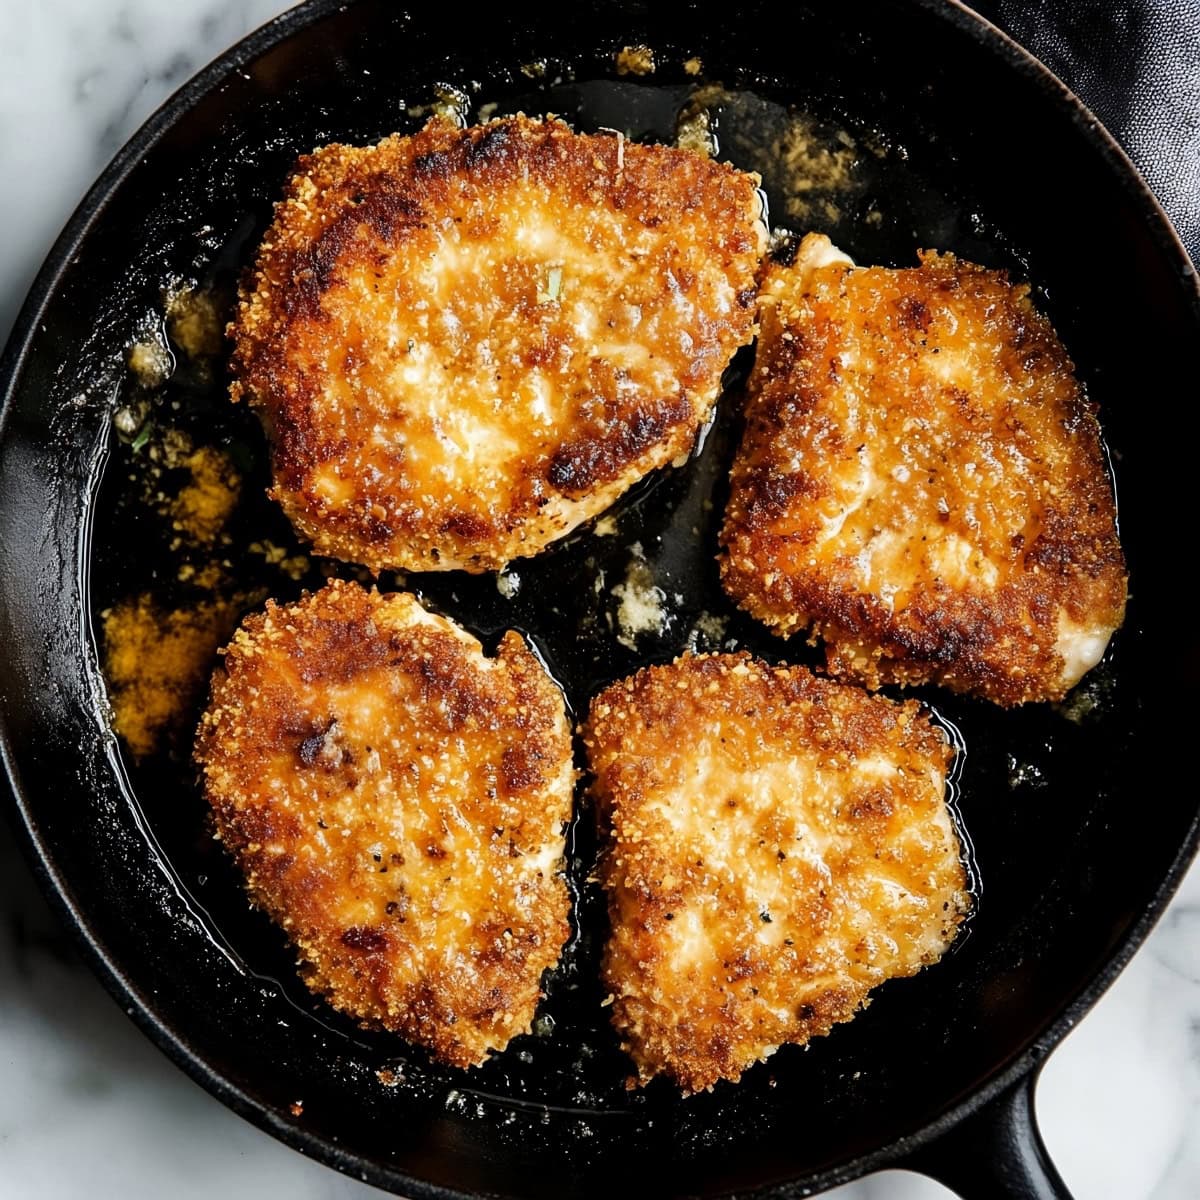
(996, 1153)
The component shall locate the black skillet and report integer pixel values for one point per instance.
(960, 141)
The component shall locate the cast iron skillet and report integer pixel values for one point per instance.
(1079, 835)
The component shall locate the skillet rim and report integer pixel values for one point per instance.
(56, 888)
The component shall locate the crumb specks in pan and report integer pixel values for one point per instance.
(635, 60)
(151, 363)
(195, 321)
(641, 603)
(396, 801)
(449, 103)
(201, 508)
(195, 489)
(158, 651)
(294, 566)
(810, 167)
(157, 662)
(779, 845)
(694, 130)
(190, 323)
(707, 632)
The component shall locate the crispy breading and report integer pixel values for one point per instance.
(921, 482)
(397, 802)
(466, 342)
(779, 844)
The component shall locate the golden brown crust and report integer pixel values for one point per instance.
(397, 803)
(779, 844)
(921, 482)
(466, 342)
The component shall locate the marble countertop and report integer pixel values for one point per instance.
(89, 1106)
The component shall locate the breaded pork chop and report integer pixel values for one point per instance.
(779, 845)
(466, 342)
(397, 802)
(921, 482)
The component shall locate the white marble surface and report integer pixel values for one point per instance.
(88, 1107)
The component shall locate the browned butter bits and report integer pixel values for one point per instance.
(466, 342)
(921, 482)
(397, 803)
(778, 845)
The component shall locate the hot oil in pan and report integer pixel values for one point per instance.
(186, 542)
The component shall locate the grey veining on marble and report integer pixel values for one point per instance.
(77, 77)
(88, 1106)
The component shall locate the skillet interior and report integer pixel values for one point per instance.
(1069, 857)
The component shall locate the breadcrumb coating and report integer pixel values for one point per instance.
(779, 845)
(921, 483)
(397, 802)
(466, 342)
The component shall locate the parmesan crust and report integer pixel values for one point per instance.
(466, 342)
(921, 482)
(397, 802)
(779, 844)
